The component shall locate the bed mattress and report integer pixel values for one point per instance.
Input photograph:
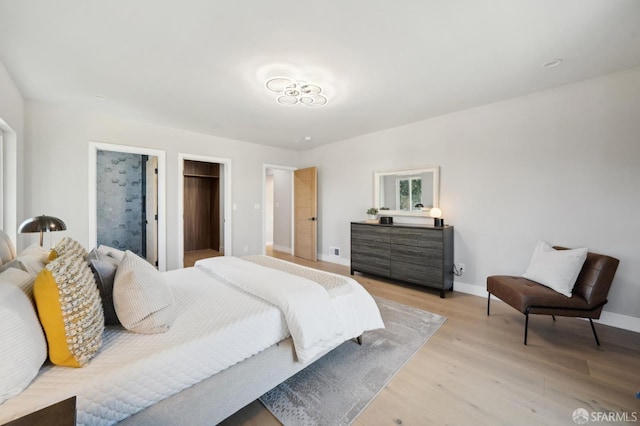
(216, 327)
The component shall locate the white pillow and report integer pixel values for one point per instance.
(556, 269)
(34, 258)
(141, 296)
(19, 278)
(23, 348)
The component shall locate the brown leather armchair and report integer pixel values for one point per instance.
(589, 293)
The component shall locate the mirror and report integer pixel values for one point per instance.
(407, 192)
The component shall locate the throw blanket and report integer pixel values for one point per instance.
(336, 285)
(307, 308)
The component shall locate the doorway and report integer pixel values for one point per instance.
(127, 200)
(204, 196)
(202, 226)
(278, 209)
(8, 180)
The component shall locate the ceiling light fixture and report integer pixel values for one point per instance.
(292, 92)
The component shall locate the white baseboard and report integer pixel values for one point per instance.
(625, 322)
(613, 319)
(334, 259)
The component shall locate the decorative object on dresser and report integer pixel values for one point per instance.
(436, 214)
(386, 220)
(416, 254)
(42, 224)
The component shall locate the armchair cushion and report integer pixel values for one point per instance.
(521, 293)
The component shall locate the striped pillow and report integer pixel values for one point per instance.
(141, 296)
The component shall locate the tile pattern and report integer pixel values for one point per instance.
(120, 200)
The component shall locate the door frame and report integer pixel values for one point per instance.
(11, 199)
(264, 199)
(162, 210)
(226, 219)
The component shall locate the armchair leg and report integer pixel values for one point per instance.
(488, 302)
(593, 328)
(526, 326)
(554, 317)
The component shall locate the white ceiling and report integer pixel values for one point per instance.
(201, 64)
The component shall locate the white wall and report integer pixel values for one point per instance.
(12, 127)
(56, 155)
(561, 166)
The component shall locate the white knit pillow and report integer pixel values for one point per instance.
(68, 246)
(141, 296)
(23, 349)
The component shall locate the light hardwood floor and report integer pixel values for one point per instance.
(190, 257)
(475, 369)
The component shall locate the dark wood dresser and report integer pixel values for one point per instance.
(416, 254)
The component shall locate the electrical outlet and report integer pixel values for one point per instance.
(461, 268)
(335, 251)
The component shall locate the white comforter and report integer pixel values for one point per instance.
(216, 326)
(311, 317)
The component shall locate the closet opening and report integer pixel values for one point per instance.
(203, 210)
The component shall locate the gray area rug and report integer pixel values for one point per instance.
(335, 389)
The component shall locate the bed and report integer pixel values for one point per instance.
(226, 347)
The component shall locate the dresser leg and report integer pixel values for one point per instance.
(442, 293)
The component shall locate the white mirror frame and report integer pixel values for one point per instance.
(162, 210)
(436, 190)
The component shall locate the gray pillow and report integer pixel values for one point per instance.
(104, 272)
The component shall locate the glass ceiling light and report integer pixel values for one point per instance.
(293, 92)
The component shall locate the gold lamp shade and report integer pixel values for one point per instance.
(42, 224)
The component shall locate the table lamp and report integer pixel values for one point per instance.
(436, 214)
(42, 224)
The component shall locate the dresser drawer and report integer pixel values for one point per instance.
(417, 255)
(375, 266)
(369, 249)
(418, 274)
(368, 233)
(416, 237)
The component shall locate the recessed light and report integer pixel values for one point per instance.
(100, 97)
(552, 64)
(307, 138)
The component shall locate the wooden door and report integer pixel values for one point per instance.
(305, 196)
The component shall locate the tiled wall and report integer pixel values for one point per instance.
(120, 200)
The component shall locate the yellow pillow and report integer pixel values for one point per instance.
(67, 245)
(70, 310)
